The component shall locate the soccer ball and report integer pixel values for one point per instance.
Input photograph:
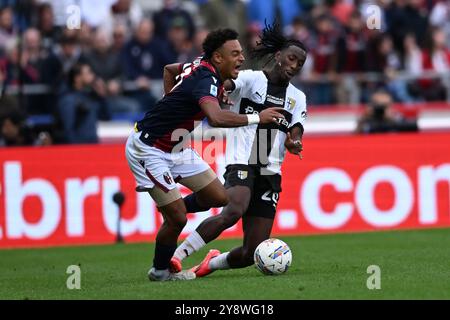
(272, 257)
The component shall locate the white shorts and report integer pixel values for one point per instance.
(153, 167)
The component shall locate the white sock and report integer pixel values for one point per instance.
(193, 243)
(220, 262)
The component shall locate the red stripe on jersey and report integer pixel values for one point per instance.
(207, 98)
(209, 66)
(156, 182)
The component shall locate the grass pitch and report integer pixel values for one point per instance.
(414, 265)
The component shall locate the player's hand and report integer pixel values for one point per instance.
(293, 146)
(226, 99)
(271, 115)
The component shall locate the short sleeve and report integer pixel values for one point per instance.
(207, 88)
(300, 112)
(243, 82)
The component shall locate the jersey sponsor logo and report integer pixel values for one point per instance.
(258, 94)
(304, 114)
(283, 122)
(215, 80)
(275, 100)
(213, 90)
(291, 103)
(242, 174)
(250, 110)
(167, 178)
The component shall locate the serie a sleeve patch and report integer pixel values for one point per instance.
(213, 90)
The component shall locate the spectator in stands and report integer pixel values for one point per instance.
(379, 116)
(406, 16)
(80, 108)
(17, 69)
(178, 36)
(324, 61)
(65, 55)
(144, 58)
(85, 37)
(163, 19)
(32, 52)
(37, 58)
(352, 48)
(341, 10)
(388, 63)
(7, 30)
(94, 13)
(197, 44)
(412, 62)
(46, 25)
(15, 132)
(299, 30)
(127, 13)
(119, 38)
(107, 67)
(435, 59)
(440, 17)
(226, 14)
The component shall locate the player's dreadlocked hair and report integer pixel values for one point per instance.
(272, 41)
(216, 39)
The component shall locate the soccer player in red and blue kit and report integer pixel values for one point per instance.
(158, 161)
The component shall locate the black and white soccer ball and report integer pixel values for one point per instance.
(273, 257)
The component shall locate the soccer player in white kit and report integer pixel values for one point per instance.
(254, 154)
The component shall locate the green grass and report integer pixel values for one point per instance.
(414, 265)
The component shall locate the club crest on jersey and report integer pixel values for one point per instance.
(167, 178)
(242, 174)
(213, 90)
(291, 103)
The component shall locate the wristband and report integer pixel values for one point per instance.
(253, 119)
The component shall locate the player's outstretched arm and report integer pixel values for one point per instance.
(169, 76)
(228, 119)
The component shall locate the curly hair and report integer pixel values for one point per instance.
(271, 41)
(216, 39)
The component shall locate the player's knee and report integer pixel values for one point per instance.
(233, 212)
(177, 220)
(179, 223)
(221, 200)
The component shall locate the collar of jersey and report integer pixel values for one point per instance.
(274, 83)
(211, 67)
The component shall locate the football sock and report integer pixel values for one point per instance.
(220, 262)
(163, 253)
(191, 244)
(192, 205)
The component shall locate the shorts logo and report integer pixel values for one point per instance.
(167, 178)
(242, 174)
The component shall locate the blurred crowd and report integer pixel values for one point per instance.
(72, 63)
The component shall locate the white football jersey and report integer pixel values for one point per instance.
(260, 144)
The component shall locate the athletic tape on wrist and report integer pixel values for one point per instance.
(253, 118)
